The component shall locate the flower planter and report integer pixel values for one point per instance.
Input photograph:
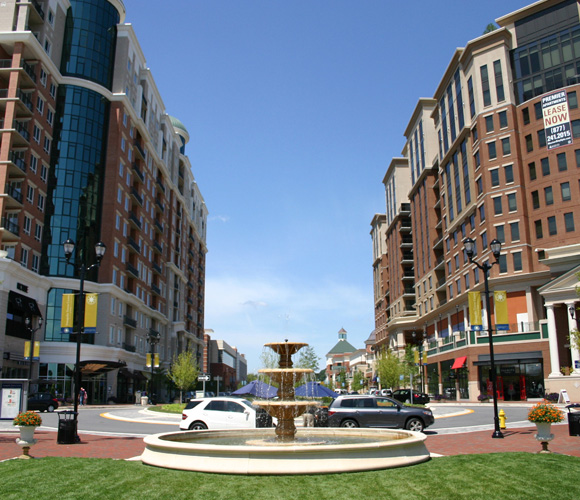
(26, 439)
(544, 436)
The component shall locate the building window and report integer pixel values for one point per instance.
(52, 90)
(545, 166)
(517, 261)
(40, 105)
(494, 173)
(506, 147)
(26, 227)
(538, 110)
(500, 233)
(489, 123)
(497, 208)
(566, 194)
(38, 232)
(572, 100)
(526, 116)
(577, 155)
(515, 231)
(532, 171)
(41, 199)
(35, 262)
(30, 194)
(529, 143)
(552, 227)
(539, 230)
(471, 97)
(47, 144)
(50, 116)
(562, 164)
(508, 171)
(512, 202)
(24, 257)
(548, 195)
(503, 263)
(484, 239)
(541, 138)
(33, 163)
(36, 133)
(485, 86)
(498, 81)
(569, 222)
(479, 184)
(535, 200)
(503, 121)
(481, 213)
(491, 150)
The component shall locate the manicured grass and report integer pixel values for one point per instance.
(169, 408)
(506, 476)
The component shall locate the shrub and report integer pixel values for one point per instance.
(552, 396)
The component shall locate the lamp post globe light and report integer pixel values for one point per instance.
(495, 247)
(69, 248)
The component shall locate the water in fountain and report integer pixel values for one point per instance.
(286, 408)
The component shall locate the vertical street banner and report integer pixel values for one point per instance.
(35, 352)
(474, 299)
(155, 360)
(556, 119)
(501, 312)
(91, 302)
(68, 312)
(148, 360)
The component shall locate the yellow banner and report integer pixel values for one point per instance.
(68, 312)
(501, 312)
(156, 360)
(35, 353)
(148, 360)
(475, 310)
(416, 353)
(91, 302)
(424, 357)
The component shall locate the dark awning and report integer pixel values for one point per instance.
(459, 362)
(23, 303)
(94, 367)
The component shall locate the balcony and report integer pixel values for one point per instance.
(156, 290)
(14, 198)
(136, 196)
(134, 245)
(158, 247)
(157, 268)
(134, 220)
(129, 347)
(11, 229)
(407, 258)
(17, 159)
(130, 322)
(139, 149)
(159, 226)
(159, 205)
(132, 270)
(405, 227)
(138, 172)
(21, 139)
(160, 184)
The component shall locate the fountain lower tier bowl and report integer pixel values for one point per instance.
(342, 450)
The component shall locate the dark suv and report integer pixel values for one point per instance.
(42, 401)
(377, 411)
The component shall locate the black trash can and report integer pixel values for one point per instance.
(67, 427)
(574, 420)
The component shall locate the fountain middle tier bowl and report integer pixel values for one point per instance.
(280, 375)
(343, 450)
(285, 409)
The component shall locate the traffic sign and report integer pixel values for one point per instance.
(203, 378)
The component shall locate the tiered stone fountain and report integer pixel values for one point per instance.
(285, 450)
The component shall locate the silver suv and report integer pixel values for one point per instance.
(377, 411)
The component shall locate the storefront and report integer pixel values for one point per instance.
(519, 376)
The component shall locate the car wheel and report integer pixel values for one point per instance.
(50, 408)
(415, 424)
(351, 424)
(197, 426)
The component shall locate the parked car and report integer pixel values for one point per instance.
(404, 396)
(42, 401)
(222, 413)
(377, 411)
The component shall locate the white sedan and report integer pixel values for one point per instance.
(222, 413)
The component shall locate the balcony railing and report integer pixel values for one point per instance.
(129, 347)
(128, 321)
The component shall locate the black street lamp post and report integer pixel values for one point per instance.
(32, 331)
(418, 339)
(495, 247)
(153, 339)
(69, 247)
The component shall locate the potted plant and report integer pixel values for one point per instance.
(28, 421)
(545, 414)
(483, 398)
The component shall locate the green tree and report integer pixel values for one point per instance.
(358, 381)
(307, 358)
(489, 28)
(341, 382)
(389, 369)
(184, 371)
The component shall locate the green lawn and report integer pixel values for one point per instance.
(502, 476)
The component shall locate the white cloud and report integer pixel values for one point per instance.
(249, 312)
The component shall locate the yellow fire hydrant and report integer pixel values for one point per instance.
(502, 419)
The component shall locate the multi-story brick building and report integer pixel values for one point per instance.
(481, 166)
(88, 152)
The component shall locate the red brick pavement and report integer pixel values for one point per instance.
(96, 446)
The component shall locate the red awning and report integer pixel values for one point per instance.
(459, 362)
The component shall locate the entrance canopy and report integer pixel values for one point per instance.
(459, 362)
(96, 367)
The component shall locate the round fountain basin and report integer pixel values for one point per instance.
(342, 450)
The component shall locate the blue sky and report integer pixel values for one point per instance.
(295, 109)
